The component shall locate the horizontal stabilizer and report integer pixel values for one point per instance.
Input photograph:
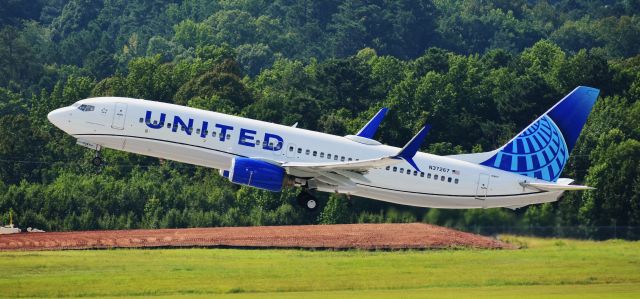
(556, 187)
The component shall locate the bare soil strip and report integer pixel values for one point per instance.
(335, 237)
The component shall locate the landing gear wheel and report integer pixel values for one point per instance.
(307, 201)
(97, 161)
(311, 204)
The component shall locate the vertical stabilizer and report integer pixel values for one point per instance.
(542, 149)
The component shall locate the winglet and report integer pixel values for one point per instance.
(411, 148)
(372, 126)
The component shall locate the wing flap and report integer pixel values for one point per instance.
(361, 165)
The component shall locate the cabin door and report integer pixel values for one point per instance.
(119, 115)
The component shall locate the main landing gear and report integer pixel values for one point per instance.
(307, 200)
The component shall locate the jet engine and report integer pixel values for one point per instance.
(255, 173)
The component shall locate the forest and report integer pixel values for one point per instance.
(478, 71)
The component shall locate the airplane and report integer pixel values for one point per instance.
(526, 170)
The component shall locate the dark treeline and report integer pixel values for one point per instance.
(478, 71)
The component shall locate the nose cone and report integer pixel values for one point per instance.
(55, 117)
(60, 118)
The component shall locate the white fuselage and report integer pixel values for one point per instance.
(444, 182)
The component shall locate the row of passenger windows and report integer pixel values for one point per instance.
(422, 174)
(299, 150)
(328, 156)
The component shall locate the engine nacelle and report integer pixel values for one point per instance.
(256, 173)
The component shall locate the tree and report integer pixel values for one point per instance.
(228, 87)
(615, 176)
(335, 211)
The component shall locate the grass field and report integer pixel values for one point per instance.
(546, 267)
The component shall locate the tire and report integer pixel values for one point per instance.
(311, 204)
(307, 201)
(96, 161)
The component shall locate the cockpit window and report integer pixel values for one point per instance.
(86, 108)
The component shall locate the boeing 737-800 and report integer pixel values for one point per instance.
(526, 170)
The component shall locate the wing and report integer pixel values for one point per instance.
(340, 175)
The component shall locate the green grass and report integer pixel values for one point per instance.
(546, 267)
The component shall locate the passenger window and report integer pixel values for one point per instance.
(141, 120)
(421, 174)
(428, 175)
(329, 156)
(271, 144)
(182, 128)
(321, 154)
(307, 152)
(315, 153)
(291, 148)
(401, 170)
(442, 178)
(155, 122)
(299, 150)
(342, 158)
(395, 168)
(335, 157)
(449, 180)
(228, 136)
(213, 134)
(455, 181)
(169, 125)
(350, 159)
(388, 167)
(415, 172)
(435, 177)
(257, 142)
(198, 131)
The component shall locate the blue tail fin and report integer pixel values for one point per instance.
(542, 149)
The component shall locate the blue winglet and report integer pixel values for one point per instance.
(372, 126)
(412, 147)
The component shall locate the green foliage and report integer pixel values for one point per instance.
(336, 211)
(477, 71)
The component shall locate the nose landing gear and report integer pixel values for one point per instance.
(97, 160)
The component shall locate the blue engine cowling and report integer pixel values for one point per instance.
(256, 173)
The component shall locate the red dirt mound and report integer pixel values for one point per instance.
(342, 236)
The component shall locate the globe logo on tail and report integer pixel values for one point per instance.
(540, 152)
